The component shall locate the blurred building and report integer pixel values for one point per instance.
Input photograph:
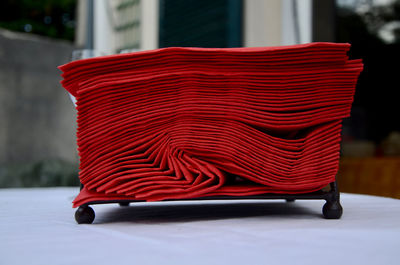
(45, 131)
(120, 25)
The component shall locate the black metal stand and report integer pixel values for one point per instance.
(331, 209)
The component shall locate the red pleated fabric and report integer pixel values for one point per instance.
(180, 123)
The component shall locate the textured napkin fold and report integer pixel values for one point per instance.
(179, 123)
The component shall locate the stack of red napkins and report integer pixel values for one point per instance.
(179, 123)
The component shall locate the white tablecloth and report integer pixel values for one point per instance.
(37, 227)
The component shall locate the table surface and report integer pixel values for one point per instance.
(37, 227)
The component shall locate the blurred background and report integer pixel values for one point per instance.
(38, 120)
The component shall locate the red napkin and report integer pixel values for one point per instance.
(179, 123)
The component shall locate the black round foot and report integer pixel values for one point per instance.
(84, 215)
(124, 204)
(332, 210)
(290, 200)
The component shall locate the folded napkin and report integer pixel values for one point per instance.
(180, 123)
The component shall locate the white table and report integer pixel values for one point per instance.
(37, 227)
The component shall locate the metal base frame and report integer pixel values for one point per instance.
(331, 209)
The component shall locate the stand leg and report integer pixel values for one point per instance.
(332, 208)
(84, 215)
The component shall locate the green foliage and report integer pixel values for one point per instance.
(48, 173)
(52, 18)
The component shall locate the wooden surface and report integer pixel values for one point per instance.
(376, 176)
